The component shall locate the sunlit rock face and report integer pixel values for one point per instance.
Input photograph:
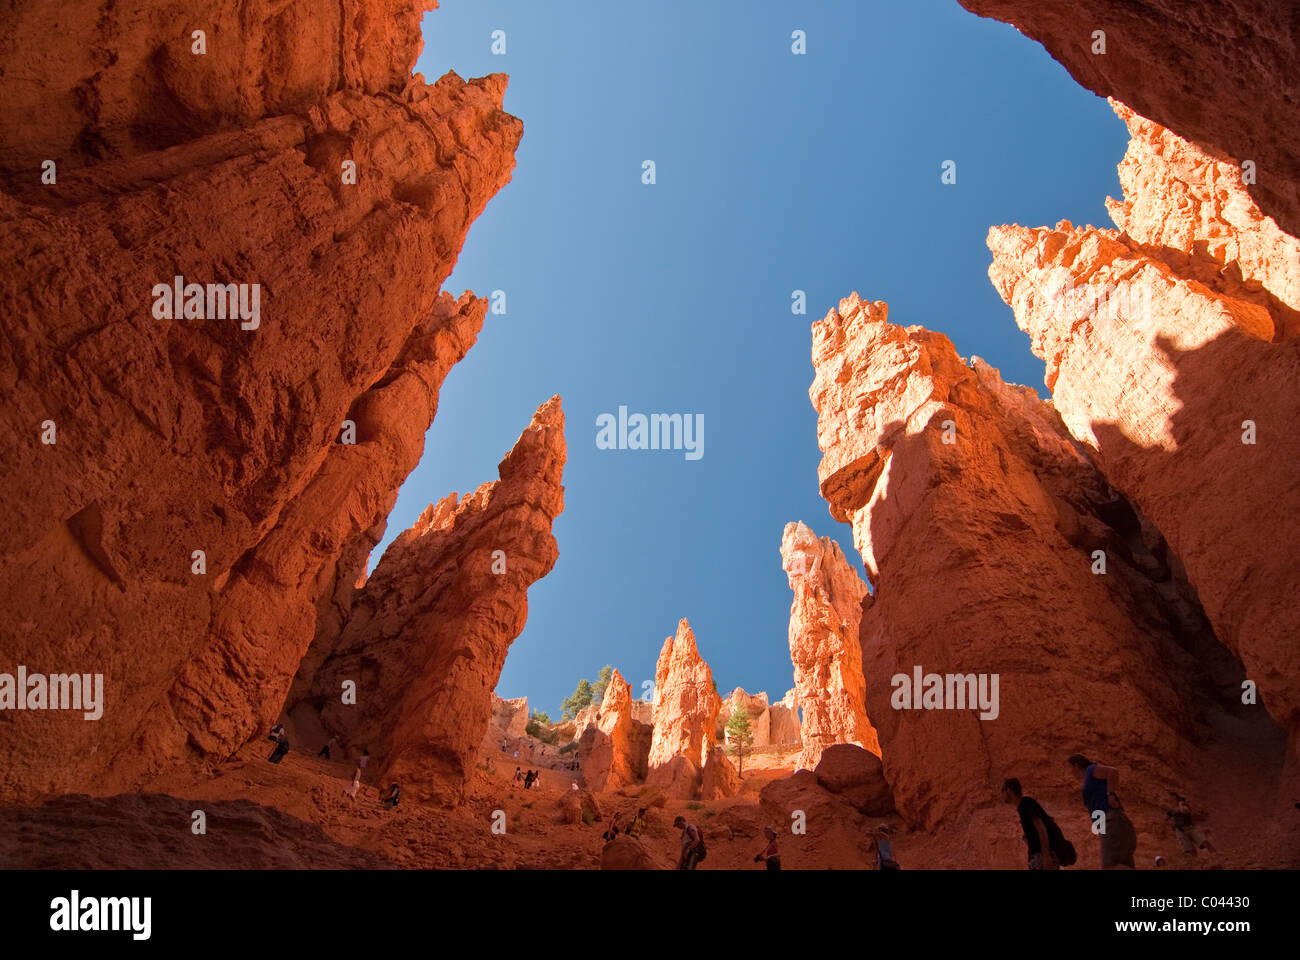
(825, 616)
(613, 750)
(196, 503)
(1219, 73)
(1171, 353)
(979, 520)
(685, 716)
(427, 636)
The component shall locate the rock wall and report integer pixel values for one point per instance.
(685, 716)
(194, 433)
(1220, 73)
(977, 519)
(825, 617)
(510, 716)
(756, 709)
(1167, 343)
(613, 751)
(428, 634)
(783, 720)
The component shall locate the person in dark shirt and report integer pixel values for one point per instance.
(769, 854)
(1111, 823)
(1033, 821)
(281, 747)
(390, 799)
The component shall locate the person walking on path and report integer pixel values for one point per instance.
(692, 844)
(1110, 822)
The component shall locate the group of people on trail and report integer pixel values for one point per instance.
(277, 735)
(527, 779)
(1047, 847)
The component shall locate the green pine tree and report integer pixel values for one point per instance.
(740, 738)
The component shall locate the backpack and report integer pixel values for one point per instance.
(701, 851)
(1062, 848)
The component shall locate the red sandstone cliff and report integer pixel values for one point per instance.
(428, 634)
(980, 550)
(613, 750)
(1162, 339)
(186, 434)
(825, 617)
(685, 716)
(1220, 73)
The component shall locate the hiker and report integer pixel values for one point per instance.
(637, 825)
(518, 776)
(1036, 824)
(612, 830)
(275, 733)
(325, 750)
(503, 744)
(363, 759)
(692, 844)
(1118, 838)
(769, 852)
(352, 788)
(885, 850)
(390, 800)
(281, 747)
(528, 780)
(1190, 837)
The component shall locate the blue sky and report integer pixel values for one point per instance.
(775, 172)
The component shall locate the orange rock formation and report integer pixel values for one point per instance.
(1220, 73)
(976, 517)
(613, 750)
(1172, 354)
(685, 716)
(199, 433)
(825, 616)
(427, 635)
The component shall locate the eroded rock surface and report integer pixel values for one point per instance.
(1167, 343)
(428, 634)
(685, 715)
(978, 518)
(208, 431)
(825, 617)
(1220, 73)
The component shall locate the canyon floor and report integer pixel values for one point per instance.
(296, 815)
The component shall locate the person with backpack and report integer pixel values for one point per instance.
(281, 747)
(1118, 837)
(1047, 845)
(693, 850)
(390, 799)
(638, 823)
(884, 849)
(769, 853)
(325, 750)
